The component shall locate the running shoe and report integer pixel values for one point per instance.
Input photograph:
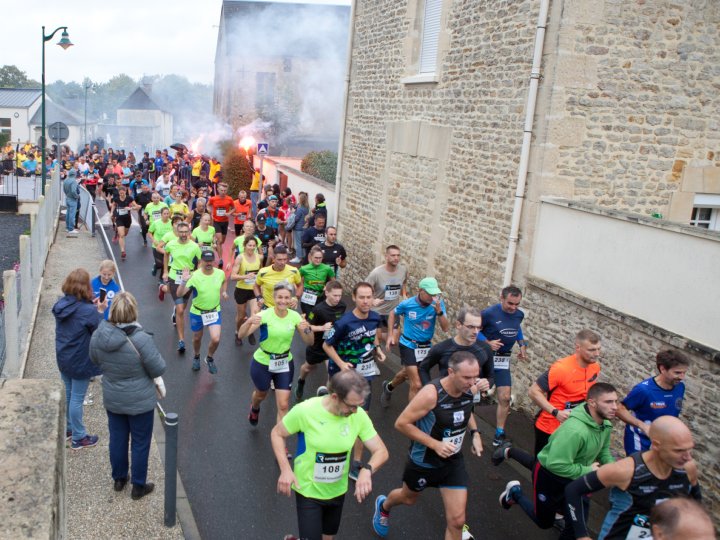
(298, 390)
(385, 396)
(295, 260)
(499, 454)
(507, 497)
(144, 242)
(88, 441)
(254, 416)
(212, 368)
(161, 292)
(381, 518)
(238, 341)
(181, 346)
(196, 363)
(500, 439)
(355, 467)
(68, 434)
(290, 537)
(251, 339)
(466, 534)
(322, 391)
(123, 255)
(154, 270)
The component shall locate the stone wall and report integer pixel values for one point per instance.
(553, 317)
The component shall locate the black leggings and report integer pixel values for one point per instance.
(317, 516)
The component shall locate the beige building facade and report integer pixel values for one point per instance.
(619, 147)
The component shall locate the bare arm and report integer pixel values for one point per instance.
(287, 478)
(333, 355)
(378, 457)
(540, 399)
(423, 402)
(626, 416)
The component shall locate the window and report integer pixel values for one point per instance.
(706, 212)
(430, 36)
(265, 90)
(5, 128)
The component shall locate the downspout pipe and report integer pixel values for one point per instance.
(341, 147)
(527, 137)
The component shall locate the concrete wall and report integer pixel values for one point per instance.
(32, 459)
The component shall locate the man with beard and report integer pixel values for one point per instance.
(334, 254)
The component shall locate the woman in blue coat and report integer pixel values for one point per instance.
(76, 318)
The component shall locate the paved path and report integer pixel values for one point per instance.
(228, 468)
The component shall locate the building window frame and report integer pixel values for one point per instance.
(706, 212)
(427, 41)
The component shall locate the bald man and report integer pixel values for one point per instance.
(638, 483)
(681, 519)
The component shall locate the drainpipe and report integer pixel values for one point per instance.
(527, 136)
(345, 109)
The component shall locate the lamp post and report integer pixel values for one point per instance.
(64, 43)
(85, 138)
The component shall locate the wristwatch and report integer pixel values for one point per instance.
(473, 432)
(555, 412)
(368, 467)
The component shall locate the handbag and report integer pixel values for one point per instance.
(290, 223)
(159, 383)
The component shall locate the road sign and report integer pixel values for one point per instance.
(263, 148)
(59, 132)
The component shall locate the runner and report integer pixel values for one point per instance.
(243, 211)
(327, 427)
(436, 421)
(639, 482)
(353, 343)
(222, 207)
(207, 285)
(389, 285)
(272, 360)
(245, 270)
(180, 254)
(313, 235)
(248, 232)
(334, 254)
(178, 206)
(315, 275)
(144, 199)
(268, 239)
(565, 386)
(120, 208)
(271, 275)
(654, 397)
(204, 234)
(501, 329)
(681, 519)
(579, 446)
(153, 210)
(321, 319)
(159, 228)
(420, 313)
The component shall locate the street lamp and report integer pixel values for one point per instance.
(64, 43)
(87, 86)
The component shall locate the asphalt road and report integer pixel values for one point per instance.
(228, 468)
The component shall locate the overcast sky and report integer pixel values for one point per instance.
(136, 37)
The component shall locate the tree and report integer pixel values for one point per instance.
(13, 77)
(322, 165)
(237, 173)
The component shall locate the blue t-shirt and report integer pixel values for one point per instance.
(419, 321)
(136, 186)
(353, 338)
(648, 401)
(496, 324)
(112, 289)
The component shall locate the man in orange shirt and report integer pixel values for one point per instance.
(565, 385)
(222, 207)
(243, 211)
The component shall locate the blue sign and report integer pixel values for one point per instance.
(263, 148)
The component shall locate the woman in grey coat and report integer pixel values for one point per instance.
(130, 363)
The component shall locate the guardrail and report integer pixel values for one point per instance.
(22, 285)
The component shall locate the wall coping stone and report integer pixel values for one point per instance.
(309, 177)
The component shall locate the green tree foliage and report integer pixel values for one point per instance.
(236, 169)
(13, 77)
(322, 165)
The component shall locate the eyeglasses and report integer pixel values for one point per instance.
(472, 327)
(351, 407)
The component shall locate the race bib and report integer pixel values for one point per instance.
(309, 298)
(205, 247)
(366, 369)
(264, 250)
(166, 191)
(640, 528)
(156, 215)
(455, 437)
(220, 212)
(421, 353)
(249, 281)
(179, 281)
(329, 468)
(279, 363)
(242, 216)
(122, 211)
(392, 292)
(209, 318)
(501, 362)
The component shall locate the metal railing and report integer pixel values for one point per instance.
(25, 188)
(22, 284)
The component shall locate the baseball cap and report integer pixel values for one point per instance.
(430, 286)
(272, 198)
(208, 256)
(260, 217)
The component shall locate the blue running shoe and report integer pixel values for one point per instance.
(381, 519)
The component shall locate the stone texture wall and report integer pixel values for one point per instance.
(554, 316)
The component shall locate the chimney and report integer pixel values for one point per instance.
(146, 85)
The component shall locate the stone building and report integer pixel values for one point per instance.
(279, 66)
(576, 176)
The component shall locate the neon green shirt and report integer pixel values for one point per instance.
(322, 466)
(170, 235)
(154, 211)
(315, 277)
(267, 278)
(159, 229)
(206, 290)
(204, 238)
(276, 334)
(182, 256)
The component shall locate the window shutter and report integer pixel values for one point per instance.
(430, 36)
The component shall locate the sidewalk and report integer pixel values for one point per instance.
(92, 508)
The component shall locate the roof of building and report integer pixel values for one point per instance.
(140, 100)
(19, 97)
(55, 113)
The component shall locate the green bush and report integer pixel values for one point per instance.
(236, 170)
(322, 165)
(4, 138)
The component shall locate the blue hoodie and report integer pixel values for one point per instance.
(75, 321)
